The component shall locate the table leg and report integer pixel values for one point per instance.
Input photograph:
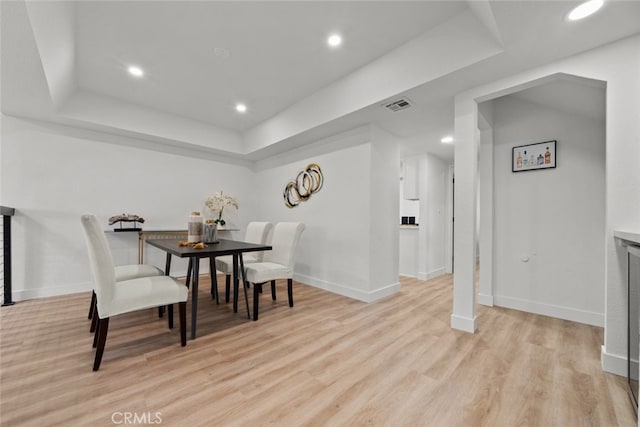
(140, 247)
(235, 283)
(244, 285)
(214, 279)
(194, 295)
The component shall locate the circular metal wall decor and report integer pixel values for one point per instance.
(307, 182)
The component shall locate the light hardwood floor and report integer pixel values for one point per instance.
(328, 361)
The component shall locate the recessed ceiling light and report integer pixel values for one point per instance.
(447, 140)
(334, 40)
(241, 108)
(585, 9)
(136, 71)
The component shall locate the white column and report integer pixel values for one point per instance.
(485, 295)
(466, 181)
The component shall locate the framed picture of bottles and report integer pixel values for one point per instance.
(541, 155)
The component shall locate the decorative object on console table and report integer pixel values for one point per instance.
(126, 218)
(533, 156)
(217, 203)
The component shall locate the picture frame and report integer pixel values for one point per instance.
(541, 155)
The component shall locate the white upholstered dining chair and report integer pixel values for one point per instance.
(123, 273)
(258, 233)
(276, 263)
(114, 298)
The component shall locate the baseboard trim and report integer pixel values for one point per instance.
(51, 291)
(615, 364)
(432, 274)
(347, 291)
(465, 324)
(485, 299)
(560, 312)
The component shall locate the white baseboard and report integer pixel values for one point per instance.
(465, 324)
(347, 291)
(432, 274)
(51, 291)
(485, 299)
(560, 312)
(615, 364)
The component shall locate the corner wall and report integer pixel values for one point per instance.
(549, 225)
(350, 243)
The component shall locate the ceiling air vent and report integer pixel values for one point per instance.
(398, 104)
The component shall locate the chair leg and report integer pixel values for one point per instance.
(92, 305)
(273, 290)
(94, 321)
(290, 291)
(182, 308)
(256, 298)
(227, 287)
(96, 330)
(102, 339)
(170, 316)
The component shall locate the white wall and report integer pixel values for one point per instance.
(349, 221)
(433, 178)
(52, 174)
(553, 218)
(383, 208)
(617, 64)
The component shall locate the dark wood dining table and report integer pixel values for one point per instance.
(211, 251)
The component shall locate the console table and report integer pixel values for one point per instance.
(7, 213)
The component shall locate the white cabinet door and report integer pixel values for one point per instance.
(410, 179)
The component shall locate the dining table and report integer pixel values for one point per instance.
(211, 251)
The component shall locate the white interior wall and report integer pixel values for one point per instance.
(52, 174)
(549, 225)
(345, 218)
(383, 208)
(433, 177)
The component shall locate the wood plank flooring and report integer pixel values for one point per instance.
(328, 361)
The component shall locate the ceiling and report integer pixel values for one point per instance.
(274, 53)
(574, 95)
(66, 62)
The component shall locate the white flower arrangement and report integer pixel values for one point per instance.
(218, 202)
